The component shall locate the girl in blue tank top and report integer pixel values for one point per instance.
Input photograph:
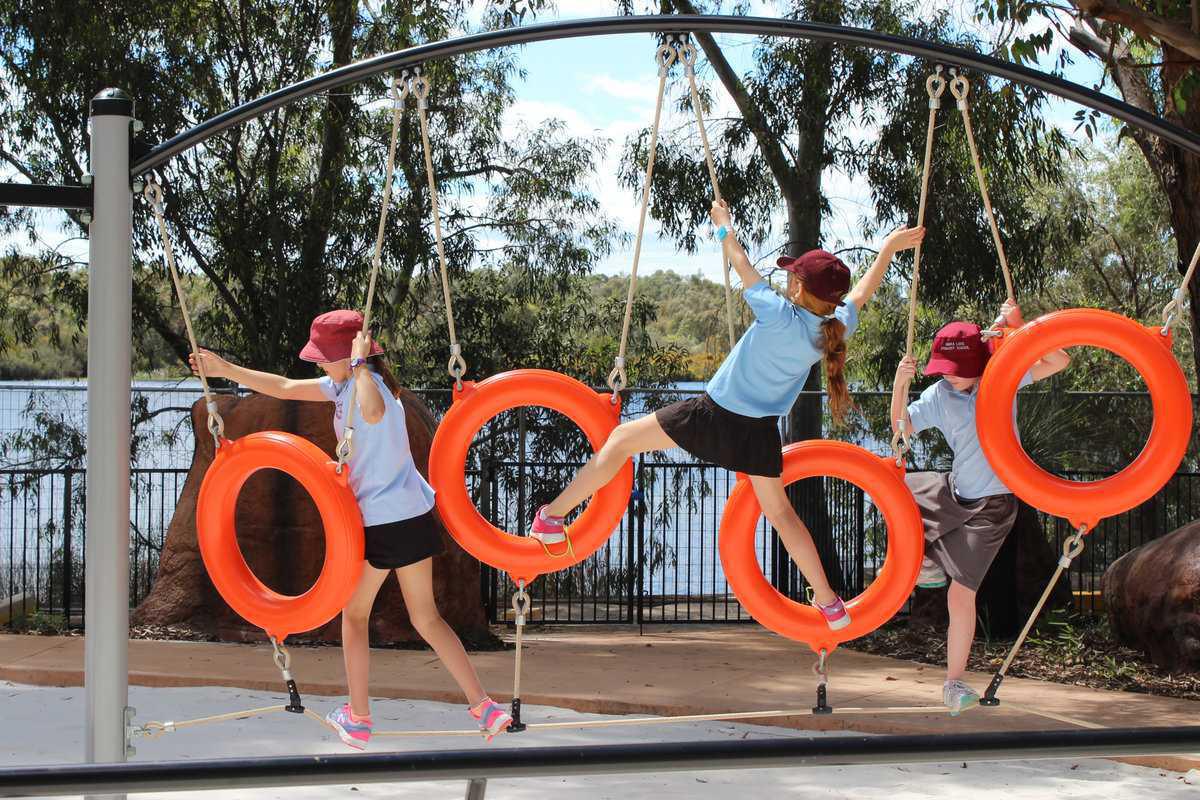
(735, 423)
(400, 531)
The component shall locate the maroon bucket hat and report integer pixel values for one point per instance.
(331, 336)
(825, 276)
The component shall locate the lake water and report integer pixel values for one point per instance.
(683, 524)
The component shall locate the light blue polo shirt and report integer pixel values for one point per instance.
(765, 371)
(382, 473)
(952, 412)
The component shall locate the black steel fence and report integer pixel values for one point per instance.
(43, 538)
(661, 565)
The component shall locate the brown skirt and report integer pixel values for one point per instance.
(961, 536)
(711, 433)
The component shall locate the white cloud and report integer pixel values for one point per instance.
(644, 91)
(583, 9)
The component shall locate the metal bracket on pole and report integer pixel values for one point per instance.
(822, 707)
(130, 730)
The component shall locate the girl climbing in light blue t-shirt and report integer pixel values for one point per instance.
(735, 423)
(967, 512)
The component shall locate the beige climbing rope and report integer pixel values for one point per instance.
(960, 87)
(617, 379)
(216, 425)
(687, 54)
(935, 86)
(457, 366)
(400, 88)
(1173, 312)
(1072, 547)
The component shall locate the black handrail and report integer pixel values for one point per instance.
(524, 762)
(606, 26)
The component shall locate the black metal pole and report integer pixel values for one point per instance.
(751, 26)
(524, 762)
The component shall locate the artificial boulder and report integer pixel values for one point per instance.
(1152, 595)
(1012, 587)
(281, 537)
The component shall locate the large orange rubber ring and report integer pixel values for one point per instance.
(884, 481)
(520, 556)
(1085, 503)
(277, 614)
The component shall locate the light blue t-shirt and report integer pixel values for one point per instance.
(952, 412)
(382, 473)
(765, 371)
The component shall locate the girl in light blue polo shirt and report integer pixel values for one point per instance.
(401, 533)
(967, 512)
(735, 423)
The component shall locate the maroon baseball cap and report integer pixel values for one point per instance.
(958, 350)
(331, 336)
(823, 273)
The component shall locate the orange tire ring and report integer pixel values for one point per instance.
(522, 557)
(884, 481)
(279, 615)
(1085, 503)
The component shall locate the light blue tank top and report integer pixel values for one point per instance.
(382, 473)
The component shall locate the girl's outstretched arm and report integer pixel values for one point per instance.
(261, 382)
(1048, 364)
(734, 253)
(898, 240)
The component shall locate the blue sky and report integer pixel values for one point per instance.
(608, 85)
(605, 86)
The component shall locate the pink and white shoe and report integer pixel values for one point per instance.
(835, 614)
(355, 733)
(492, 718)
(546, 528)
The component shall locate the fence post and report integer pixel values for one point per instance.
(67, 561)
(861, 529)
(641, 544)
(522, 520)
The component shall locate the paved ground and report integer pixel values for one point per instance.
(666, 671)
(44, 725)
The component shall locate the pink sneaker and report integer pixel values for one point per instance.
(836, 615)
(492, 718)
(356, 734)
(547, 528)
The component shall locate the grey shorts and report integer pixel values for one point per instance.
(961, 536)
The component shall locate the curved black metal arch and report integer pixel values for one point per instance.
(755, 26)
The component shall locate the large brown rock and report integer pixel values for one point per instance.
(1153, 599)
(282, 540)
(1012, 587)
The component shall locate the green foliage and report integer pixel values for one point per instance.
(278, 217)
(39, 623)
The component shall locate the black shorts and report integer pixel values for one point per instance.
(711, 433)
(398, 544)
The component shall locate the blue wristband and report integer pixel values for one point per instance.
(722, 232)
(356, 362)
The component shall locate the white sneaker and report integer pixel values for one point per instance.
(958, 697)
(932, 576)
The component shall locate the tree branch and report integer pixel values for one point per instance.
(768, 142)
(1146, 24)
